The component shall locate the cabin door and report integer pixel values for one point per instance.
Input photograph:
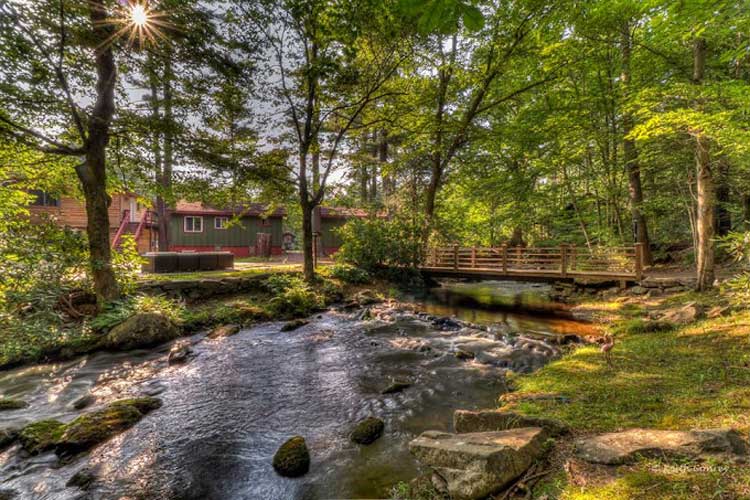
(133, 210)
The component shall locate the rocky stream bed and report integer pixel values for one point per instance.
(227, 403)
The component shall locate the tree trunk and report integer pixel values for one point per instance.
(706, 211)
(92, 173)
(746, 211)
(160, 203)
(630, 154)
(705, 187)
(516, 239)
(166, 177)
(307, 239)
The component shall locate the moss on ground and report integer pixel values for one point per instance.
(684, 377)
(41, 436)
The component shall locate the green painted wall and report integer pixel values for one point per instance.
(328, 237)
(239, 234)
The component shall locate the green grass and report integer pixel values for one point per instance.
(695, 376)
(191, 276)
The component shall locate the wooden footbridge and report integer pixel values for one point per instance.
(540, 263)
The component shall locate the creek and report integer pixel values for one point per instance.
(228, 409)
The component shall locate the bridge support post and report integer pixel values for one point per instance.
(564, 261)
(473, 257)
(639, 261)
(504, 249)
(455, 257)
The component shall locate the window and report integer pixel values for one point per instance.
(193, 224)
(42, 199)
(221, 222)
(265, 222)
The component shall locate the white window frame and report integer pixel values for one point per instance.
(217, 221)
(194, 218)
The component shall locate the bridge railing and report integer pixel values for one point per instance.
(565, 260)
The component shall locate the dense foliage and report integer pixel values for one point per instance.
(376, 242)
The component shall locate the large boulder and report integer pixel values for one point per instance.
(367, 431)
(12, 404)
(617, 448)
(684, 315)
(292, 459)
(86, 431)
(476, 465)
(465, 421)
(141, 330)
(90, 429)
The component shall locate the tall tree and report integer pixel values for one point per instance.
(329, 64)
(49, 50)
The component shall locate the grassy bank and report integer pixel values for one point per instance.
(664, 376)
(282, 296)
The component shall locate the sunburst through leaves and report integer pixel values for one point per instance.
(138, 22)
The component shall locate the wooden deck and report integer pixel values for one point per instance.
(540, 263)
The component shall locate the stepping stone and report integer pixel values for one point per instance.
(497, 420)
(617, 448)
(475, 465)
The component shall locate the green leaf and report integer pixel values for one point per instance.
(473, 18)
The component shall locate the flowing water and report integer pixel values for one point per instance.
(228, 409)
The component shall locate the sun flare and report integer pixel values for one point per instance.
(139, 15)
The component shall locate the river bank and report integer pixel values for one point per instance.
(680, 362)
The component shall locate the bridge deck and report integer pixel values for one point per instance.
(565, 262)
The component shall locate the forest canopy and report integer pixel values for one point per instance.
(523, 122)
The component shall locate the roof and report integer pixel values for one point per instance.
(243, 209)
(347, 213)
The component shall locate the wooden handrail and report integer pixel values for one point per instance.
(121, 229)
(141, 224)
(563, 261)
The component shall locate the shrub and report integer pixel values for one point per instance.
(280, 283)
(349, 274)
(737, 245)
(118, 311)
(126, 263)
(376, 242)
(39, 263)
(293, 297)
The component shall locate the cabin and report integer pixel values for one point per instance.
(326, 221)
(126, 216)
(195, 226)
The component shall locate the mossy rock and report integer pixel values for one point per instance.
(292, 459)
(248, 313)
(144, 404)
(141, 330)
(293, 325)
(41, 436)
(222, 331)
(93, 428)
(396, 387)
(8, 494)
(464, 355)
(83, 479)
(367, 431)
(7, 438)
(12, 404)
